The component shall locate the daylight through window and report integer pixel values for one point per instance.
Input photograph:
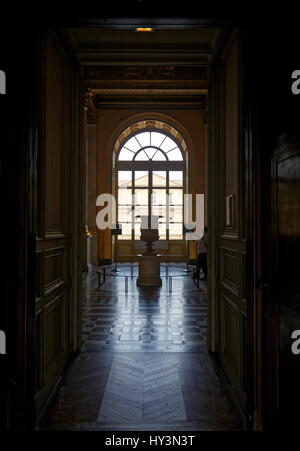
(150, 181)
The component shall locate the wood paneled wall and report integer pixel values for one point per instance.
(227, 241)
(92, 190)
(59, 216)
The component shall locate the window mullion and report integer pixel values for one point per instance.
(132, 206)
(150, 175)
(167, 207)
(138, 142)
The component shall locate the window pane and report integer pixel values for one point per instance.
(141, 156)
(175, 196)
(168, 144)
(125, 155)
(175, 231)
(159, 178)
(159, 197)
(157, 138)
(137, 231)
(162, 231)
(150, 152)
(124, 196)
(143, 138)
(124, 214)
(159, 156)
(175, 155)
(141, 178)
(124, 178)
(141, 196)
(132, 144)
(175, 214)
(140, 211)
(175, 178)
(126, 232)
(160, 211)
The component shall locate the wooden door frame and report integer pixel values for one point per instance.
(24, 329)
(254, 182)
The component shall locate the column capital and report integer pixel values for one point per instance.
(88, 99)
(89, 106)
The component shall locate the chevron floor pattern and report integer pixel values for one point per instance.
(142, 391)
(144, 364)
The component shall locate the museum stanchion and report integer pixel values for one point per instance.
(187, 230)
(116, 230)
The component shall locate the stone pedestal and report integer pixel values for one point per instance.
(149, 271)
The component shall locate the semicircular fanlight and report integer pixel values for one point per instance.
(150, 145)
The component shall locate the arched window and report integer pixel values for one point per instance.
(150, 146)
(150, 174)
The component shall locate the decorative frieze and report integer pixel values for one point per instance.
(144, 72)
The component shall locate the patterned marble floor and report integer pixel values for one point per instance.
(144, 364)
(170, 318)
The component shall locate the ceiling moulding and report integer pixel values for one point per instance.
(212, 20)
(151, 106)
(167, 85)
(150, 91)
(175, 100)
(159, 47)
(118, 59)
(155, 56)
(152, 97)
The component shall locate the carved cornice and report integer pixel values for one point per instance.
(97, 99)
(144, 73)
(150, 100)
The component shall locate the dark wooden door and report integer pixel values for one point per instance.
(286, 277)
(17, 132)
